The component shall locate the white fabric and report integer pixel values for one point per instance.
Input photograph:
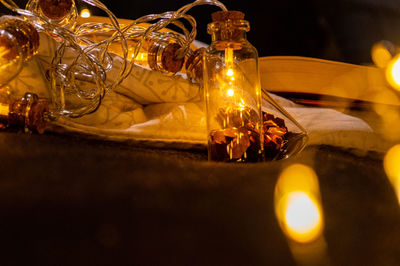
(159, 110)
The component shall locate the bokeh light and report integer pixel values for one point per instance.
(393, 72)
(381, 53)
(391, 165)
(297, 204)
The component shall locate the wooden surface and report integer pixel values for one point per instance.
(69, 201)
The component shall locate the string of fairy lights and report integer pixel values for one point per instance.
(84, 78)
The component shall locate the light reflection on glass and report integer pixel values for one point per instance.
(391, 164)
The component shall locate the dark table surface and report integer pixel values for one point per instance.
(66, 200)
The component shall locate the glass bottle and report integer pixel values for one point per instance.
(244, 123)
(19, 41)
(194, 66)
(162, 55)
(233, 91)
(28, 113)
(61, 12)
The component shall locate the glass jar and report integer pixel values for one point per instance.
(60, 12)
(232, 91)
(19, 41)
(243, 124)
(28, 113)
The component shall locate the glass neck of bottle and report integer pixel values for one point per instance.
(229, 30)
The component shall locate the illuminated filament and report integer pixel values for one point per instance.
(228, 57)
(230, 75)
(85, 13)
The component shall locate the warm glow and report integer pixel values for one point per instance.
(229, 72)
(231, 92)
(141, 58)
(85, 13)
(393, 73)
(3, 51)
(391, 164)
(4, 109)
(302, 217)
(228, 56)
(381, 56)
(297, 204)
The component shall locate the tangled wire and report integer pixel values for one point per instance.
(79, 67)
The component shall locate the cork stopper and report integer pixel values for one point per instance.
(28, 112)
(169, 60)
(56, 9)
(227, 15)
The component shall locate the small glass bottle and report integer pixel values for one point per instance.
(194, 66)
(28, 113)
(61, 12)
(162, 54)
(19, 41)
(232, 91)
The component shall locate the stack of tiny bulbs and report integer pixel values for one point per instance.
(85, 77)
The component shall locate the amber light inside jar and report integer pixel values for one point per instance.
(232, 91)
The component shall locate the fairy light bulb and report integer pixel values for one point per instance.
(85, 13)
(61, 12)
(163, 55)
(158, 52)
(232, 87)
(19, 41)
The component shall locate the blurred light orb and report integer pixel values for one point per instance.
(382, 53)
(393, 72)
(231, 92)
(391, 164)
(297, 204)
(85, 13)
(303, 219)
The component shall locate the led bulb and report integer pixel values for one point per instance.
(85, 13)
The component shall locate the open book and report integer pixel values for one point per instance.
(326, 83)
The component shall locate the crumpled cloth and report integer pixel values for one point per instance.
(153, 109)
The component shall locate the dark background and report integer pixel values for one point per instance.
(342, 30)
